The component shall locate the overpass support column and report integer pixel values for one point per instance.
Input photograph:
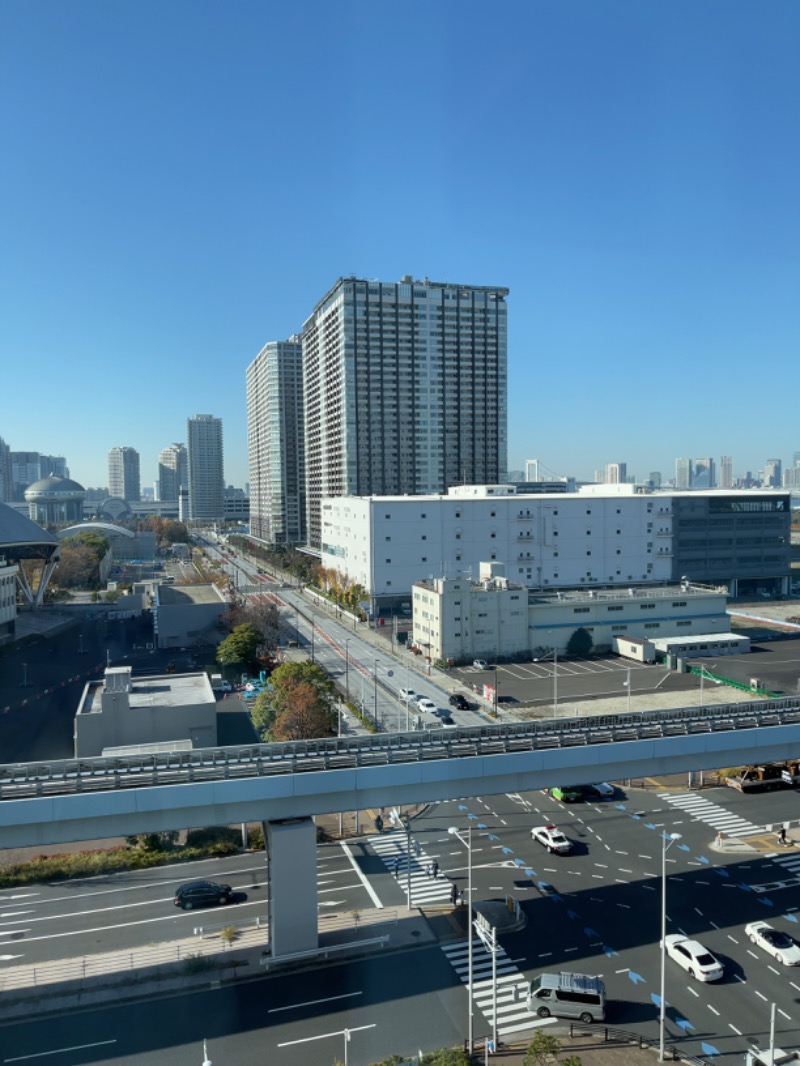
(291, 847)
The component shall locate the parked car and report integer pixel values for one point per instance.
(552, 838)
(458, 701)
(407, 694)
(780, 945)
(480, 664)
(447, 722)
(693, 957)
(424, 704)
(202, 894)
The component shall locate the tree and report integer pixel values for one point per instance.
(299, 705)
(580, 643)
(240, 647)
(446, 1056)
(543, 1047)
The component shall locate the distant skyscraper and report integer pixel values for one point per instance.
(172, 472)
(616, 473)
(275, 442)
(772, 473)
(405, 390)
(53, 466)
(6, 479)
(683, 473)
(655, 479)
(726, 472)
(205, 466)
(123, 473)
(704, 474)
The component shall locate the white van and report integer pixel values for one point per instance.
(568, 995)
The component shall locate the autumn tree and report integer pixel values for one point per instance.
(303, 716)
(300, 704)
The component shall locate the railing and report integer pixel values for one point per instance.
(102, 774)
(671, 1053)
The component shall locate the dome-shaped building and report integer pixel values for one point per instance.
(54, 500)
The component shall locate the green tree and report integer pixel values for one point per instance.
(543, 1047)
(580, 643)
(240, 647)
(572, 1060)
(263, 715)
(446, 1056)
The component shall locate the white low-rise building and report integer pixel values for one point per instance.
(493, 618)
(604, 535)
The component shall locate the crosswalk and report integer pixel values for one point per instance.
(392, 849)
(790, 873)
(513, 1015)
(712, 814)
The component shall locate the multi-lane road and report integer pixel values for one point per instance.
(596, 910)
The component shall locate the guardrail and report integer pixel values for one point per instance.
(22, 780)
(323, 952)
(672, 1054)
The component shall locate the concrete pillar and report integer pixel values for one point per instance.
(291, 848)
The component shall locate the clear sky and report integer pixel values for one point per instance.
(183, 179)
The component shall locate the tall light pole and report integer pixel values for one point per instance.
(555, 678)
(627, 684)
(24, 675)
(453, 831)
(666, 841)
(347, 669)
(375, 693)
(703, 675)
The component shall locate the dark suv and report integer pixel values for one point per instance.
(457, 700)
(202, 894)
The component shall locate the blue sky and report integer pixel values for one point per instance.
(183, 180)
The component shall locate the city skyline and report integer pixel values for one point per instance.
(627, 172)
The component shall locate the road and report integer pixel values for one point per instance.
(595, 911)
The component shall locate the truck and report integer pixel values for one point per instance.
(768, 776)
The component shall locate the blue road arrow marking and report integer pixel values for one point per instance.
(654, 996)
(683, 1024)
(650, 825)
(790, 917)
(493, 836)
(480, 825)
(684, 847)
(703, 859)
(709, 1049)
(461, 807)
(588, 931)
(743, 886)
(572, 914)
(507, 851)
(518, 862)
(620, 806)
(530, 873)
(767, 902)
(722, 873)
(471, 817)
(609, 951)
(636, 978)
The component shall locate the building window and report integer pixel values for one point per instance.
(687, 623)
(424, 559)
(388, 560)
(387, 516)
(388, 538)
(424, 537)
(580, 610)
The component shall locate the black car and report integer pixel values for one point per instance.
(457, 700)
(202, 894)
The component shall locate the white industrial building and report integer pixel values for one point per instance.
(603, 535)
(461, 619)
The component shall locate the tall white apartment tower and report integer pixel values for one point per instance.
(275, 443)
(726, 472)
(405, 389)
(684, 472)
(616, 473)
(205, 469)
(172, 472)
(123, 474)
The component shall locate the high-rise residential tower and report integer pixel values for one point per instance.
(773, 473)
(172, 472)
(275, 442)
(683, 473)
(205, 467)
(405, 389)
(726, 472)
(6, 479)
(616, 473)
(123, 473)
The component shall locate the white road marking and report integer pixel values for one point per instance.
(60, 1051)
(737, 1031)
(713, 1009)
(760, 995)
(313, 1002)
(783, 1012)
(370, 890)
(324, 1036)
(695, 994)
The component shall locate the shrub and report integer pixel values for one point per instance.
(197, 963)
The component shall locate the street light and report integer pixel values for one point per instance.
(24, 675)
(347, 669)
(375, 694)
(555, 678)
(704, 674)
(453, 831)
(627, 684)
(666, 841)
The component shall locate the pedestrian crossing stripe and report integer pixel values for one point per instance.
(513, 1015)
(703, 810)
(392, 849)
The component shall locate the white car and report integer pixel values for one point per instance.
(552, 838)
(407, 694)
(779, 945)
(480, 664)
(693, 957)
(425, 704)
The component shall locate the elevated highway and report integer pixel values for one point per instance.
(59, 802)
